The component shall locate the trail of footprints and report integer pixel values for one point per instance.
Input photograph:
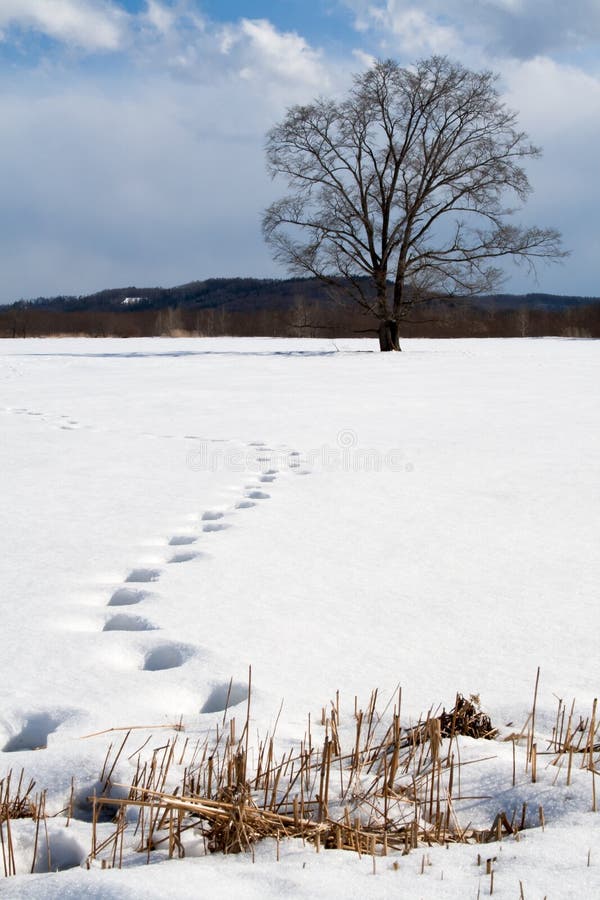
(63, 422)
(140, 585)
(140, 582)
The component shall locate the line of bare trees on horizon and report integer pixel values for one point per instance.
(303, 320)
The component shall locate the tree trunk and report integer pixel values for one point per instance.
(388, 335)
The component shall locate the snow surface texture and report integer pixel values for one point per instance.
(174, 511)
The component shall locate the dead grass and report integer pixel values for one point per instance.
(17, 801)
(367, 784)
(391, 789)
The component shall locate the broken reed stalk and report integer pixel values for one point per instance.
(178, 726)
(533, 711)
(591, 735)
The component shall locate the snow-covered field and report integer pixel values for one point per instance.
(335, 518)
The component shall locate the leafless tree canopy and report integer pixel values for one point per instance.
(412, 181)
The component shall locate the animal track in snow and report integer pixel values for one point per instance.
(34, 733)
(215, 526)
(224, 696)
(127, 597)
(63, 422)
(123, 622)
(170, 654)
(62, 848)
(185, 556)
(143, 576)
(257, 495)
(166, 656)
(83, 808)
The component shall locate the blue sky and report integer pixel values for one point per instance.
(319, 22)
(133, 131)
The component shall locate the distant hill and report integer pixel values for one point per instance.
(252, 294)
(234, 294)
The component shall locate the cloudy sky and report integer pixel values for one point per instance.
(133, 130)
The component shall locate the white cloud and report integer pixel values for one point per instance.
(160, 17)
(91, 24)
(228, 38)
(365, 60)
(177, 40)
(175, 37)
(559, 106)
(262, 51)
(519, 28)
(414, 31)
(556, 99)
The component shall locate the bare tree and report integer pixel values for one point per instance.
(398, 193)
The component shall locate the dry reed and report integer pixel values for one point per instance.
(368, 785)
(393, 789)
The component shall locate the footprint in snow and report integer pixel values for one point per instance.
(267, 479)
(211, 521)
(166, 656)
(143, 576)
(123, 622)
(34, 733)
(83, 808)
(182, 540)
(215, 526)
(257, 495)
(186, 556)
(244, 504)
(224, 696)
(127, 597)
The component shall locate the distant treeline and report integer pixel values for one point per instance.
(288, 308)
